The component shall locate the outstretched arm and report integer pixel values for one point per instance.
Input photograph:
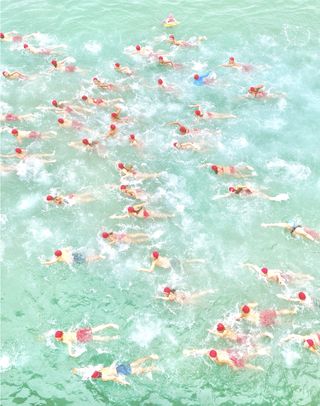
(195, 352)
(280, 225)
(120, 216)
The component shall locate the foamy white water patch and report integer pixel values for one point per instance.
(93, 47)
(28, 201)
(146, 331)
(290, 357)
(292, 170)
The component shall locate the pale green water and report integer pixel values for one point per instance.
(280, 139)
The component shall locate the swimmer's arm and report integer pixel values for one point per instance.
(253, 305)
(193, 352)
(119, 216)
(251, 266)
(280, 225)
(75, 144)
(7, 155)
(49, 261)
(166, 299)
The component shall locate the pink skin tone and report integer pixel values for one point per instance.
(235, 65)
(310, 341)
(246, 191)
(162, 60)
(13, 36)
(14, 75)
(185, 44)
(62, 67)
(124, 238)
(141, 212)
(181, 297)
(66, 107)
(22, 154)
(70, 199)
(9, 117)
(259, 92)
(41, 51)
(166, 87)
(137, 194)
(20, 135)
(99, 102)
(105, 86)
(183, 130)
(123, 69)
(74, 124)
(255, 317)
(300, 231)
(227, 333)
(187, 146)
(128, 171)
(65, 256)
(238, 171)
(209, 115)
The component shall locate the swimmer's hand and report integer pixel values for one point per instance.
(154, 356)
(145, 270)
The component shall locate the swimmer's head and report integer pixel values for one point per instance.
(213, 354)
(1, 35)
(196, 77)
(94, 79)
(264, 270)
(58, 253)
(182, 129)
(231, 189)
(49, 198)
(132, 137)
(131, 209)
(302, 296)
(160, 58)
(54, 63)
(96, 375)
(214, 168)
(117, 65)
(252, 89)
(84, 97)
(120, 165)
(245, 309)
(155, 254)
(85, 141)
(112, 127)
(5, 73)
(58, 335)
(309, 343)
(105, 235)
(175, 144)
(167, 291)
(160, 82)
(14, 131)
(138, 48)
(231, 59)
(114, 115)
(198, 113)
(220, 327)
(18, 151)
(54, 103)
(25, 46)
(123, 187)
(60, 120)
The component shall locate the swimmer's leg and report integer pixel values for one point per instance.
(140, 370)
(93, 258)
(104, 338)
(103, 327)
(254, 367)
(284, 312)
(140, 361)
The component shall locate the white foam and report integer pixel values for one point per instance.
(5, 363)
(93, 47)
(145, 332)
(293, 170)
(290, 357)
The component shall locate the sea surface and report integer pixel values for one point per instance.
(279, 138)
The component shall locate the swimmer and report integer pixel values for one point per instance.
(123, 69)
(84, 335)
(115, 116)
(209, 115)
(185, 44)
(310, 341)
(128, 171)
(98, 102)
(235, 65)
(15, 75)
(42, 51)
(227, 333)
(183, 130)
(170, 21)
(191, 146)
(13, 36)
(300, 298)
(157, 261)
(164, 86)
(258, 92)
(66, 107)
(207, 79)
(278, 276)
(70, 199)
(104, 85)
(265, 318)
(14, 117)
(89, 145)
(137, 194)
(143, 51)
(22, 154)
(124, 238)
(74, 124)
(296, 230)
(69, 256)
(237, 171)
(134, 142)
(112, 132)
(178, 296)
(62, 67)
(33, 135)
(139, 211)
(230, 357)
(243, 190)
(117, 372)
(166, 62)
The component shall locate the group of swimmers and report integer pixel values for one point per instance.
(68, 117)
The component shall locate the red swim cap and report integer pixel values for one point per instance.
(105, 235)
(310, 342)
(214, 168)
(54, 63)
(113, 127)
(58, 334)
(167, 291)
(183, 129)
(94, 78)
(231, 58)
(84, 97)
(49, 198)
(131, 209)
(25, 46)
(232, 189)
(18, 150)
(264, 270)
(196, 77)
(132, 137)
(197, 112)
(155, 254)
(220, 327)
(252, 89)
(54, 103)
(60, 120)
(1, 35)
(138, 47)
(96, 375)
(58, 253)
(117, 65)
(14, 131)
(160, 58)
(175, 144)
(123, 187)
(160, 82)
(114, 115)
(302, 296)
(245, 309)
(120, 165)
(85, 141)
(213, 354)
(4, 73)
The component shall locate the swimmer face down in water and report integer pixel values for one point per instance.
(137, 194)
(165, 86)
(188, 146)
(105, 85)
(21, 135)
(209, 115)
(13, 36)
(63, 67)
(278, 276)
(128, 171)
(124, 238)
(69, 256)
(235, 65)
(14, 75)
(42, 51)
(99, 102)
(21, 153)
(265, 318)
(89, 145)
(74, 124)
(310, 341)
(243, 190)
(164, 61)
(84, 335)
(184, 130)
(178, 296)
(259, 92)
(9, 117)
(118, 372)
(157, 261)
(134, 142)
(296, 230)
(141, 212)
(227, 333)
(66, 107)
(69, 200)
(185, 44)
(123, 69)
(237, 171)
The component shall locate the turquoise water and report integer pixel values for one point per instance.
(280, 139)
